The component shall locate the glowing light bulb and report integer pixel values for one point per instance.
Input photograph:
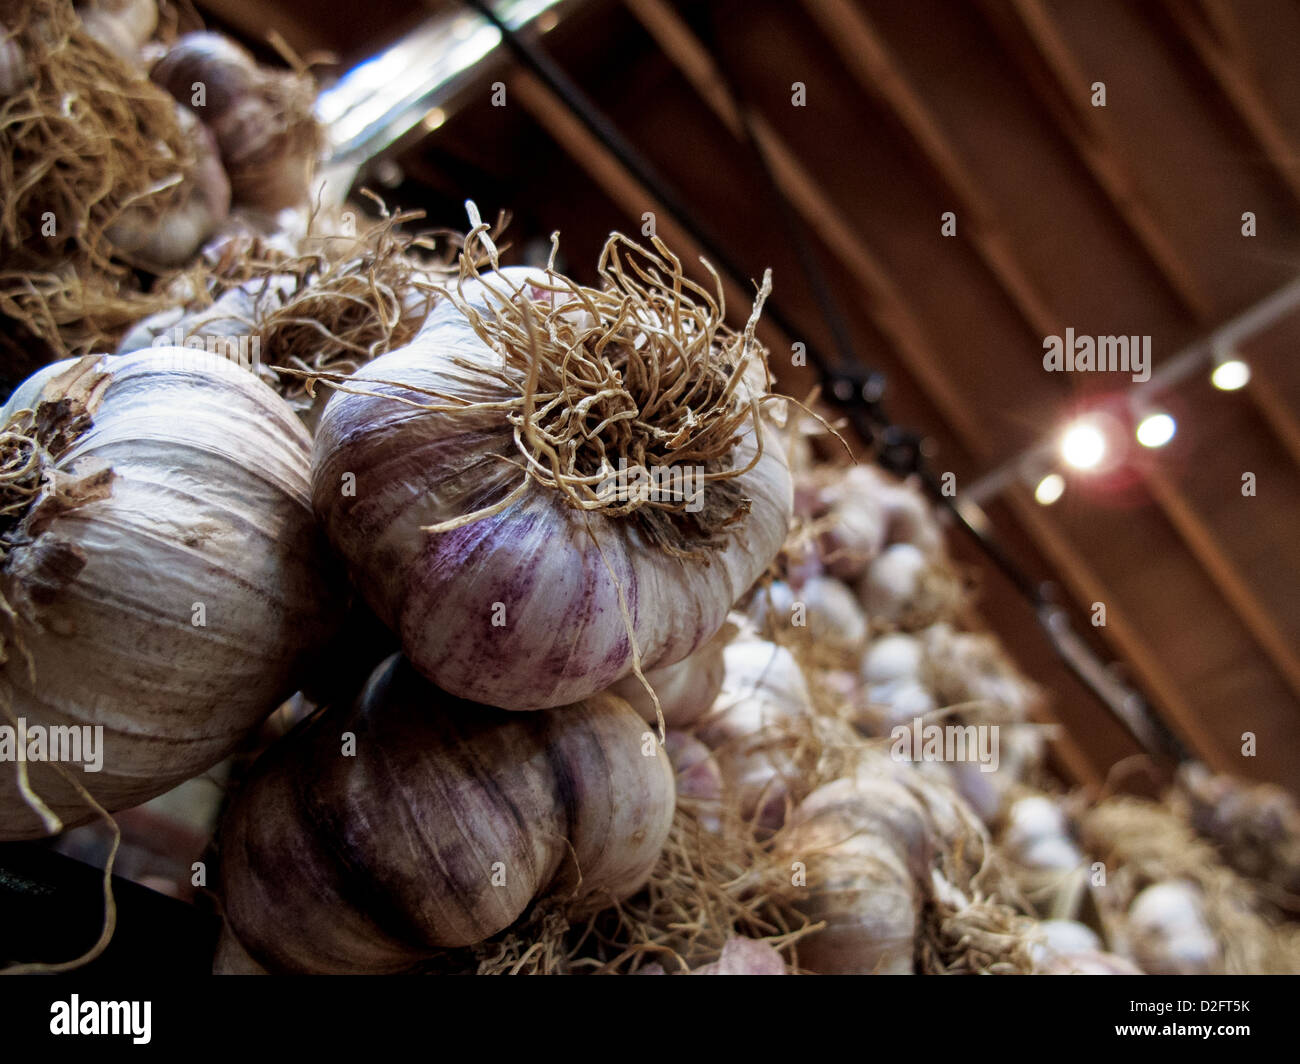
(1083, 445)
(1049, 489)
(1155, 430)
(1230, 375)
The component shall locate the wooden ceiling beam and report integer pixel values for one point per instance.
(1094, 144)
(867, 57)
(885, 302)
(1223, 64)
(896, 321)
(1272, 408)
(1234, 587)
(1120, 631)
(1035, 43)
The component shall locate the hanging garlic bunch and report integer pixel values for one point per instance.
(373, 837)
(554, 484)
(160, 574)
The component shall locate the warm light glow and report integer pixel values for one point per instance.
(1050, 488)
(434, 119)
(1155, 430)
(1230, 375)
(1083, 445)
(547, 21)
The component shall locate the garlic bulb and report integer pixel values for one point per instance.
(121, 26)
(698, 777)
(1169, 932)
(687, 689)
(14, 74)
(821, 611)
(217, 327)
(449, 822)
(893, 658)
(904, 587)
(224, 70)
(740, 956)
(1032, 818)
(895, 694)
(1037, 835)
(744, 956)
(754, 725)
(857, 877)
(854, 536)
(479, 503)
(172, 236)
(1060, 938)
(160, 572)
(972, 667)
(262, 119)
(983, 791)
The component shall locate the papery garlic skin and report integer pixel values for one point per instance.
(171, 237)
(520, 609)
(175, 610)
(1089, 962)
(686, 689)
(450, 821)
(763, 706)
(1053, 939)
(858, 881)
(821, 612)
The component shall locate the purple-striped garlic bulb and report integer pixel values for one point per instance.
(552, 479)
(375, 836)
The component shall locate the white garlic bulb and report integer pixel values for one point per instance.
(821, 611)
(764, 697)
(857, 876)
(687, 689)
(1053, 939)
(160, 572)
(1169, 932)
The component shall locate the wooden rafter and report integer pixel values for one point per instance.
(1093, 144)
(1270, 405)
(1087, 587)
(1221, 61)
(896, 321)
(866, 55)
(1049, 65)
(1233, 586)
